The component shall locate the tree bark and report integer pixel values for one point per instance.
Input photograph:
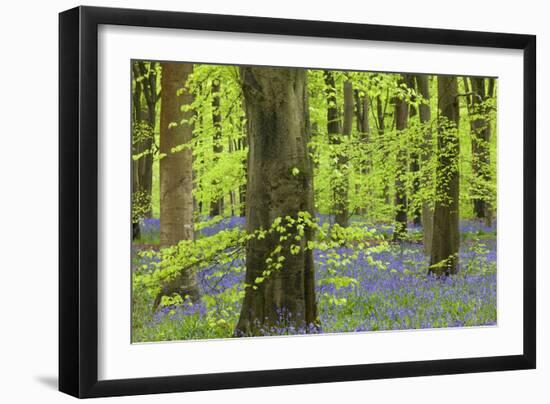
(216, 205)
(415, 158)
(280, 184)
(362, 110)
(335, 131)
(342, 214)
(150, 92)
(358, 110)
(176, 169)
(446, 238)
(243, 143)
(144, 99)
(380, 117)
(136, 120)
(144, 165)
(348, 108)
(425, 119)
(365, 118)
(231, 149)
(480, 135)
(401, 121)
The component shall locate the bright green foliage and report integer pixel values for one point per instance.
(224, 247)
(372, 165)
(141, 203)
(370, 172)
(338, 246)
(218, 175)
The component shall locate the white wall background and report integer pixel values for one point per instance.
(28, 200)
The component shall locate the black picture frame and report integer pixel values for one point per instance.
(78, 201)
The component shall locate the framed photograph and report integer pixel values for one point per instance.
(251, 201)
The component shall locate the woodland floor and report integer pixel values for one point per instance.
(390, 290)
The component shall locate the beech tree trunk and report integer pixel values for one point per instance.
(231, 148)
(149, 85)
(146, 90)
(365, 126)
(280, 184)
(480, 134)
(489, 209)
(342, 215)
(446, 238)
(358, 100)
(380, 118)
(136, 189)
(415, 158)
(401, 120)
(216, 205)
(425, 119)
(176, 170)
(335, 131)
(243, 143)
(242, 188)
(362, 109)
(144, 102)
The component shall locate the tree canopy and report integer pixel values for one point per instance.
(290, 200)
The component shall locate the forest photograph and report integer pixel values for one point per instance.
(276, 201)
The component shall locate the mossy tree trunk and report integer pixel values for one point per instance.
(280, 184)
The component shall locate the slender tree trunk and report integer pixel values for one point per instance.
(365, 118)
(491, 87)
(243, 142)
(216, 205)
(348, 108)
(230, 149)
(425, 119)
(280, 184)
(142, 140)
(446, 238)
(358, 110)
(380, 116)
(489, 211)
(381, 134)
(480, 135)
(335, 132)
(362, 109)
(136, 115)
(342, 216)
(176, 170)
(401, 120)
(198, 161)
(149, 86)
(415, 158)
